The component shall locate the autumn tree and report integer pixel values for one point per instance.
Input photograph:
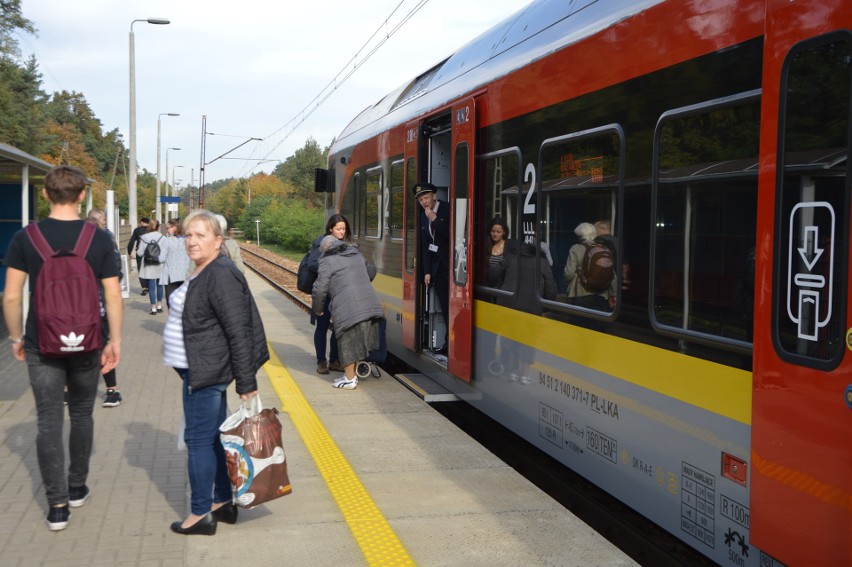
(298, 171)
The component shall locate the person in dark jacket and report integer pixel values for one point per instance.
(338, 226)
(214, 336)
(345, 276)
(435, 248)
(134, 241)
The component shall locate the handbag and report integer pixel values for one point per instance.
(254, 453)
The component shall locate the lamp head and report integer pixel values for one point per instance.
(158, 21)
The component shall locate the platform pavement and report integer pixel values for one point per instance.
(449, 501)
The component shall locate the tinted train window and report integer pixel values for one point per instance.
(705, 203)
(498, 176)
(410, 212)
(357, 221)
(581, 175)
(813, 203)
(373, 207)
(394, 220)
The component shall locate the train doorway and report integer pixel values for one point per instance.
(441, 151)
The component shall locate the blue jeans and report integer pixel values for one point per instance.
(48, 378)
(320, 333)
(155, 287)
(204, 411)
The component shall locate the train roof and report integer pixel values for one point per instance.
(542, 27)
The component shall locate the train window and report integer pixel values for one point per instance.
(410, 215)
(705, 221)
(397, 188)
(373, 205)
(813, 201)
(499, 176)
(581, 179)
(460, 208)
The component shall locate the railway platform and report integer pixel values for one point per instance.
(378, 476)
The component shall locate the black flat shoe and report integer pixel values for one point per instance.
(226, 513)
(204, 526)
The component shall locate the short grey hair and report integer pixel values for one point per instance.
(586, 231)
(329, 242)
(209, 220)
(223, 223)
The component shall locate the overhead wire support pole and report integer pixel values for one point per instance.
(238, 146)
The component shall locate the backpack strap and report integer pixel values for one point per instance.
(37, 238)
(85, 239)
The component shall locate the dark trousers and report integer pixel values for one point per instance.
(323, 323)
(142, 281)
(441, 283)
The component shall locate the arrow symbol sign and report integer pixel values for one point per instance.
(811, 249)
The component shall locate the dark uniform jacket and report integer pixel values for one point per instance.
(438, 234)
(222, 330)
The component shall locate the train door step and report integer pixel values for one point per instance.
(424, 387)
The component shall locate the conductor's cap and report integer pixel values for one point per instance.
(422, 188)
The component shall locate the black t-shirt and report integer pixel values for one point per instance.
(23, 256)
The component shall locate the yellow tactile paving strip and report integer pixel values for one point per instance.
(374, 536)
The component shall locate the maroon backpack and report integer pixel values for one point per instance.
(67, 301)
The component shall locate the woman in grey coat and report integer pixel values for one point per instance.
(345, 277)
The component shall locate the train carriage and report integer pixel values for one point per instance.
(712, 391)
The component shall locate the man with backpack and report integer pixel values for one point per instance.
(590, 271)
(64, 295)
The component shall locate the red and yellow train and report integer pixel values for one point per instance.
(712, 392)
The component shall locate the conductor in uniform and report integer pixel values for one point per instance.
(435, 247)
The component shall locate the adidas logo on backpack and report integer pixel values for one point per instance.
(66, 302)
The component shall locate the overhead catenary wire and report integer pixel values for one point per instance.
(281, 134)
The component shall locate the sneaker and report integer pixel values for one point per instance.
(335, 366)
(159, 309)
(57, 518)
(322, 367)
(346, 384)
(144, 291)
(153, 311)
(112, 398)
(341, 379)
(77, 495)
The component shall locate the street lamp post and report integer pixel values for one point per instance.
(257, 223)
(159, 216)
(173, 207)
(131, 181)
(167, 172)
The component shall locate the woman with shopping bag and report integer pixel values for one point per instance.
(214, 335)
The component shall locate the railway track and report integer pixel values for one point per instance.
(278, 271)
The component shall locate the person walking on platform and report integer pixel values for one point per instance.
(337, 226)
(134, 241)
(65, 189)
(175, 260)
(345, 277)
(230, 248)
(213, 336)
(151, 271)
(113, 397)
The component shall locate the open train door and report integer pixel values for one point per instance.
(409, 248)
(800, 479)
(460, 324)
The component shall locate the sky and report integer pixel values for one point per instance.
(251, 67)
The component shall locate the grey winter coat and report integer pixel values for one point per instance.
(345, 276)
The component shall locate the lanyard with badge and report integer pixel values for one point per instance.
(432, 247)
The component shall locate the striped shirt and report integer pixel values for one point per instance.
(174, 349)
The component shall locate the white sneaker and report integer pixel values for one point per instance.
(346, 384)
(341, 379)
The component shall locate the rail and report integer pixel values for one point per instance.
(275, 270)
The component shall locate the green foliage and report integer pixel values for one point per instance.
(298, 170)
(286, 222)
(11, 20)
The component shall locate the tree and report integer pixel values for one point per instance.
(298, 170)
(11, 20)
(21, 105)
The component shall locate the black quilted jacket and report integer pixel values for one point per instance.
(222, 329)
